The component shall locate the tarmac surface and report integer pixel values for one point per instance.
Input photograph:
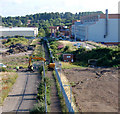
(23, 94)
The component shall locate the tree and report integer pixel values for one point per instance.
(41, 33)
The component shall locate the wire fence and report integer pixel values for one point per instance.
(68, 103)
(45, 82)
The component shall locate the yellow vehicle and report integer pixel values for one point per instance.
(51, 65)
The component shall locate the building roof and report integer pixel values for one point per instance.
(18, 28)
(102, 16)
(110, 16)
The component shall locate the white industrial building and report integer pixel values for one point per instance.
(98, 28)
(18, 31)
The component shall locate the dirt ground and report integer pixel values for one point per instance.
(94, 90)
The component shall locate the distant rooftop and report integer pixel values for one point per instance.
(110, 16)
(17, 28)
(102, 16)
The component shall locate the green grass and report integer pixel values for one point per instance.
(67, 65)
(11, 41)
(107, 57)
(40, 105)
(35, 42)
(8, 79)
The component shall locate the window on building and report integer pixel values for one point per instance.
(68, 57)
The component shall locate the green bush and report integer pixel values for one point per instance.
(2, 69)
(104, 56)
(11, 41)
(40, 69)
(66, 48)
(38, 108)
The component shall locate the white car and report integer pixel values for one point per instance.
(75, 44)
(87, 47)
(60, 38)
(2, 65)
(79, 44)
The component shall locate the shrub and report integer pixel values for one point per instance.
(2, 69)
(105, 56)
(66, 48)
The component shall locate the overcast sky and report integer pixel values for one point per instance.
(25, 7)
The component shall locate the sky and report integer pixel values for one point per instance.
(26, 7)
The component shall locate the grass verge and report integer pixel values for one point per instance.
(67, 65)
(7, 79)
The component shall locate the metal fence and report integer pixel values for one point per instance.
(45, 82)
(68, 103)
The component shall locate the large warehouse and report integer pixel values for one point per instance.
(99, 28)
(18, 31)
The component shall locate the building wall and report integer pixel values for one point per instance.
(20, 31)
(68, 57)
(96, 31)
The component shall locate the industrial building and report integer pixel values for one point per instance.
(98, 28)
(18, 31)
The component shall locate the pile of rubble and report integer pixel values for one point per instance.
(18, 48)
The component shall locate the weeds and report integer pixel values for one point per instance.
(7, 80)
(62, 101)
(40, 106)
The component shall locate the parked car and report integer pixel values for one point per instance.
(79, 44)
(60, 38)
(2, 65)
(75, 44)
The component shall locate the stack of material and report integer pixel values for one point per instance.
(17, 48)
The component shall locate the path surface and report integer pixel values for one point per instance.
(23, 94)
(54, 98)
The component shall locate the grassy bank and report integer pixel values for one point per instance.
(7, 79)
(67, 65)
(14, 41)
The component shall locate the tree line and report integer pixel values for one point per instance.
(44, 20)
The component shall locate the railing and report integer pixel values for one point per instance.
(67, 102)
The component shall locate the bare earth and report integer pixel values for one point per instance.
(95, 90)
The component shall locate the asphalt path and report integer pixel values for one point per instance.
(23, 94)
